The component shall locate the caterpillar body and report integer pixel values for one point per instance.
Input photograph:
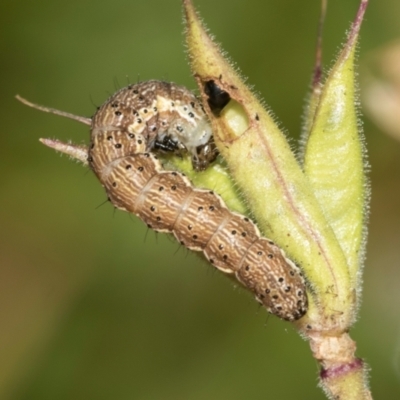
(156, 115)
(126, 131)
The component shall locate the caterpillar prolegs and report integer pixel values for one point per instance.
(152, 116)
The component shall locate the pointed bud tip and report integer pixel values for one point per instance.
(355, 28)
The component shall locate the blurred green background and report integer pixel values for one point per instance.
(92, 305)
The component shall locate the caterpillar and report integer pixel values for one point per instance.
(159, 116)
(126, 133)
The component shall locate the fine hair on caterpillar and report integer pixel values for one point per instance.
(126, 133)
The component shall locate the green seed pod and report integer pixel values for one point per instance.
(277, 191)
(334, 162)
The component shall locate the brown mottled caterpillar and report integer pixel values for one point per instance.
(154, 115)
(159, 116)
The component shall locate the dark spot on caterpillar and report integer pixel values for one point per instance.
(145, 111)
(259, 253)
(152, 208)
(291, 272)
(221, 246)
(270, 256)
(108, 138)
(132, 136)
(161, 188)
(191, 115)
(158, 219)
(247, 267)
(141, 168)
(280, 280)
(166, 144)
(225, 257)
(139, 121)
(257, 117)
(114, 184)
(233, 232)
(190, 227)
(246, 219)
(275, 297)
(135, 91)
(192, 104)
(200, 208)
(140, 141)
(141, 98)
(90, 159)
(147, 155)
(173, 187)
(118, 113)
(217, 98)
(287, 289)
(118, 145)
(268, 291)
(211, 208)
(194, 237)
(129, 166)
(244, 234)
